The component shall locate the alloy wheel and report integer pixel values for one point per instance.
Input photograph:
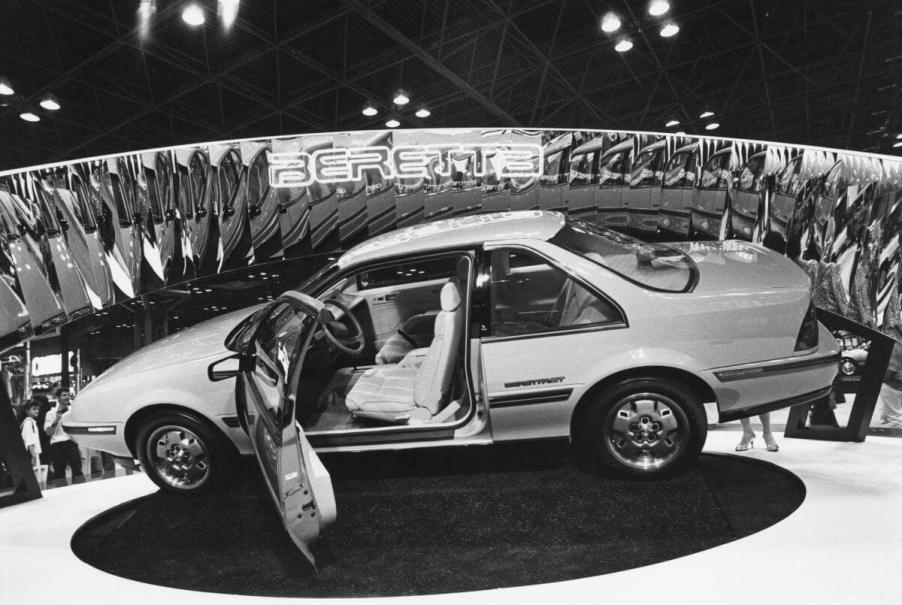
(646, 431)
(179, 457)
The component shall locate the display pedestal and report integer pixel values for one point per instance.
(817, 420)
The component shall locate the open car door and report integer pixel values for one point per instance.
(271, 351)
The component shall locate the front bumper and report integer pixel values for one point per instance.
(102, 436)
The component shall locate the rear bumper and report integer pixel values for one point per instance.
(805, 399)
(754, 388)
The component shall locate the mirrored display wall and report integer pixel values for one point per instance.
(79, 237)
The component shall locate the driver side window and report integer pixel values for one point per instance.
(276, 346)
(529, 295)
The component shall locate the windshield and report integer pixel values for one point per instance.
(652, 266)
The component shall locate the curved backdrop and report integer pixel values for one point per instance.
(79, 236)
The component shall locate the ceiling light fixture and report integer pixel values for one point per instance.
(29, 117)
(369, 110)
(680, 132)
(712, 126)
(669, 30)
(50, 103)
(623, 45)
(672, 123)
(706, 114)
(899, 136)
(610, 23)
(658, 7)
(228, 12)
(393, 123)
(422, 112)
(401, 98)
(6, 88)
(897, 144)
(193, 15)
(146, 10)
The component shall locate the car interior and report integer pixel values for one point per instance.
(406, 365)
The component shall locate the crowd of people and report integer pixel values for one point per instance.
(55, 457)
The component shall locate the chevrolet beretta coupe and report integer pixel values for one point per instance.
(486, 328)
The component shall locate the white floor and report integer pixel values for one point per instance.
(843, 545)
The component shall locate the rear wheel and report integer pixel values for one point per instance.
(182, 454)
(642, 427)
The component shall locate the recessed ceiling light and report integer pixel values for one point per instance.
(712, 126)
(897, 144)
(422, 112)
(369, 110)
(680, 132)
(401, 98)
(623, 45)
(50, 104)
(899, 136)
(393, 123)
(672, 123)
(193, 15)
(610, 23)
(6, 88)
(29, 117)
(658, 7)
(670, 30)
(706, 114)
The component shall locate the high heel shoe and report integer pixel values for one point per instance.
(746, 444)
(771, 444)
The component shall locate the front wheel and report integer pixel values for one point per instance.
(642, 427)
(182, 454)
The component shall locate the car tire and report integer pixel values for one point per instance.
(847, 367)
(641, 428)
(183, 454)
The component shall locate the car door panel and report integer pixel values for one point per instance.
(297, 481)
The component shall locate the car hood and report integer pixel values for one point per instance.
(201, 340)
(736, 266)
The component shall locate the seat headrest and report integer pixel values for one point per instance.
(450, 297)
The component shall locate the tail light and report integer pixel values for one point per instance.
(807, 338)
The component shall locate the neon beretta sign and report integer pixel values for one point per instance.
(337, 165)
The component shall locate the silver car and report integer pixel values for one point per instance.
(481, 329)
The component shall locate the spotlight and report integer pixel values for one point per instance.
(50, 103)
(422, 112)
(146, 10)
(369, 110)
(658, 7)
(401, 98)
(228, 12)
(610, 23)
(623, 45)
(6, 88)
(672, 123)
(706, 114)
(712, 126)
(393, 123)
(193, 15)
(669, 30)
(29, 117)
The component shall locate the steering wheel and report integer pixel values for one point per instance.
(347, 338)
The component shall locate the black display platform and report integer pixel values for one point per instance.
(442, 520)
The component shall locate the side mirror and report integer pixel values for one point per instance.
(216, 375)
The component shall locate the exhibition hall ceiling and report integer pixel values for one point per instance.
(820, 72)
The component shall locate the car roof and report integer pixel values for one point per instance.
(456, 232)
